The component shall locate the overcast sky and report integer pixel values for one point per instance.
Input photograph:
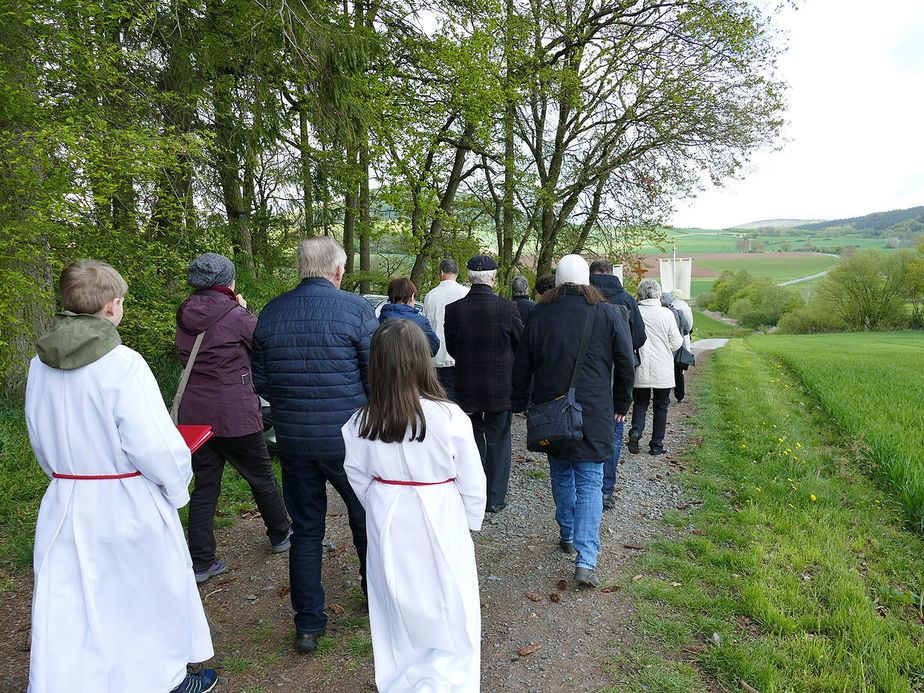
(855, 121)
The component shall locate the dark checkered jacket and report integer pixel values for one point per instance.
(482, 333)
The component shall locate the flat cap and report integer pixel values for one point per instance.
(481, 263)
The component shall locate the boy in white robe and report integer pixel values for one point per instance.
(412, 460)
(115, 605)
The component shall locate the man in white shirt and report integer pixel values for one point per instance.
(434, 308)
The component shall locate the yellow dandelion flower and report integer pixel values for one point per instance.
(813, 497)
(791, 506)
(758, 489)
(798, 445)
(743, 445)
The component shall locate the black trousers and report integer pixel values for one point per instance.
(492, 436)
(447, 378)
(662, 398)
(248, 455)
(679, 390)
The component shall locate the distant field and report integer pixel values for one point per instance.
(871, 383)
(696, 242)
(777, 266)
(691, 241)
(780, 269)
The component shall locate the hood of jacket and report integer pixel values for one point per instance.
(77, 340)
(608, 284)
(202, 310)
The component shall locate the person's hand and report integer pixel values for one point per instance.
(619, 418)
(240, 300)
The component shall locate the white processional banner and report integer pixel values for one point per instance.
(676, 274)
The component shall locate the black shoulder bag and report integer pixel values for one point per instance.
(551, 424)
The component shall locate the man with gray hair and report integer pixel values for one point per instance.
(434, 309)
(519, 289)
(310, 358)
(482, 333)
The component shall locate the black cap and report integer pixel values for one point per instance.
(481, 263)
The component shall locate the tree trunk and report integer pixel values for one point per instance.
(307, 228)
(436, 226)
(365, 219)
(228, 165)
(350, 204)
(506, 248)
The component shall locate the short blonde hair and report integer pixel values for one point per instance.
(320, 256)
(86, 286)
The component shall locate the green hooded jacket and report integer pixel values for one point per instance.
(77, 339)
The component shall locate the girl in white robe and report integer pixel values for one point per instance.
(115, 605)
(412, 460)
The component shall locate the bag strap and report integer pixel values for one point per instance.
(588, 328)
(181, 387)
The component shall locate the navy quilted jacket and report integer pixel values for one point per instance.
(310, 358)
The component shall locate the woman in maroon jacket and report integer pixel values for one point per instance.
(220, 393)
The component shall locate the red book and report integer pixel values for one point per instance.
(195, 435)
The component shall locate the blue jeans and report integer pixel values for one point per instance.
(304, 488)
(578, 506)
(609, 467)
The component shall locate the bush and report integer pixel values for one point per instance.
(810, 319)
(868, 290)
(705, 299)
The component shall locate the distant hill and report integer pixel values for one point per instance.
(898, 220)
(778, 224)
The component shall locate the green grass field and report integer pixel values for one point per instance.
(705, 327)
(871, 384)
(779, 269)
(796, 572)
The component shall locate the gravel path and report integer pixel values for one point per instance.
(540, 633)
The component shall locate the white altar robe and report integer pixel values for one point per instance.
(115, 606)
(424, 607)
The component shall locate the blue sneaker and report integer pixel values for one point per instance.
(217, 568)
(283, 545)
(202, 682)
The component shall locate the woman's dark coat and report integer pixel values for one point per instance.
(220, 389)
(545, 360)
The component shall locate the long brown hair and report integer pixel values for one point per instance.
(400, 373)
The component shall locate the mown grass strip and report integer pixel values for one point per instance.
(779, 586)
(871, 384)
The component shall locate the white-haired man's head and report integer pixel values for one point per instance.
(321, 256)
(482, 277)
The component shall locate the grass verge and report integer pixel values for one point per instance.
(795, 574)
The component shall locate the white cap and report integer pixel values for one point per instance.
(572, 269)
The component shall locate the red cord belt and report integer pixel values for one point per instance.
(93, 477)
(411, 483)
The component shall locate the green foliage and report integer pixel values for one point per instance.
(792, 550)
(726, 288)
(22, 484)
(868, 291)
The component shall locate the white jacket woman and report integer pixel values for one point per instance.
(656, 369)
